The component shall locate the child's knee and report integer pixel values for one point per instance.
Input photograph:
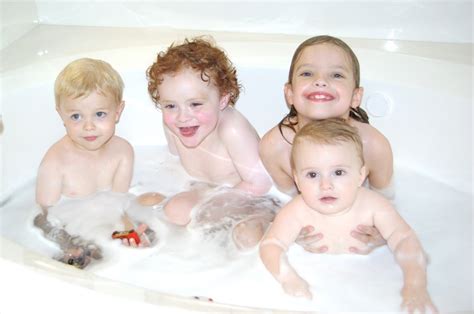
(247, 234)
(178, 210)
(150, 199)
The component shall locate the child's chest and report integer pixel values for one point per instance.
(337, 230)
(84, 176)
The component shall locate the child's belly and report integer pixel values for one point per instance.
(212, 166)
(216, 173)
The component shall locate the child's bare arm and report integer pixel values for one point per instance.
(409, 254)
(380, 158)
(273, 247)
(123, 175)
(412, 260)
(48, 183)
(241, 141)
(276, 159)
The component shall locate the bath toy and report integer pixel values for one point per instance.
(77, 257)
(130, 234)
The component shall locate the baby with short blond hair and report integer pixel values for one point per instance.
(90, 158)
(329, 169)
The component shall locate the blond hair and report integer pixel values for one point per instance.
(331, 131)
(84, 76)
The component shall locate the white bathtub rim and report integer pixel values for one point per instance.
(32, 261)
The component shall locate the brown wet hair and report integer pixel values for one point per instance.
(359, 114)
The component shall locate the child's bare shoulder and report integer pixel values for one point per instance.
(58, 151)
(275, 138)
(121, 143)
(233, 123)
(373, 200)
(369, 134)
(273, 143)
(296, 208)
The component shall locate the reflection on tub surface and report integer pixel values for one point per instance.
(184, 265)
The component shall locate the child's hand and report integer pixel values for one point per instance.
(368, 235)
(308, 239)
(297, 287)
(416, 299)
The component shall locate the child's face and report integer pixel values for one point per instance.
(328, 176)
(191, 107)
(90, 120)
(323, 84)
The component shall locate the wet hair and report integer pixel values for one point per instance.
(332, 131)
(359, 114)
(199, 54)
(84, 76)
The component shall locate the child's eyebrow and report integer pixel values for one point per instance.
(341, 166)
(332, 67)
(339, 67)
(332, 167)
(309, 168)
(304, 65)
(201, 99)
(162, 101)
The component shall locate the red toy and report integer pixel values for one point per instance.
(130, 234)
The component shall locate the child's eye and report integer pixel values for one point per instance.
(169, 106)
(311, 174)
(338, 75)
(101, 114)
(339, 172)
(196, 104)
(306, 73)
(75, 117)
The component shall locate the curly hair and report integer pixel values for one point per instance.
(359, 114)
(201, 55)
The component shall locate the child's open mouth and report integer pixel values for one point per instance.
(188, 131)
(320, 96)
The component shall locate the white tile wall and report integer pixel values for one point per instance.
(18, 18)
(438, 21)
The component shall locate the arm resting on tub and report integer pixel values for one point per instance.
(283, 231)
(409, 254)
(274, 258)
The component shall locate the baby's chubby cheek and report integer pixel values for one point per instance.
(168, 121)
(206, 118)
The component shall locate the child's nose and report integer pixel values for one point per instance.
(325, 183)
(183, 115)
(89, 125)
(320, 80)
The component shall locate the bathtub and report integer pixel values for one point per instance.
(417, 93)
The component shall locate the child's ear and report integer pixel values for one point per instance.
(363, 175)
(224, 102)
(357, 97)
(288, 94)
(119, 110)
(295, 178)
